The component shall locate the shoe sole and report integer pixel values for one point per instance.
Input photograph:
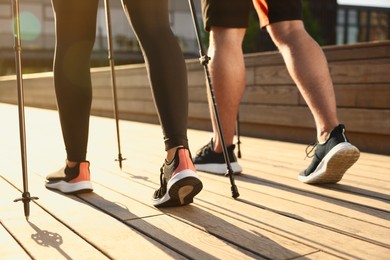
(70, 188)
(182, 188)
(333, 166)
(218, 168)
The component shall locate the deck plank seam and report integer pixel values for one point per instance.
(16, 239)
(137, 229)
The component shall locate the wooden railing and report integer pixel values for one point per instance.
(271, 107)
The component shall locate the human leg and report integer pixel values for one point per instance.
(227, 22)
(75, 35)
(308, 67)
(168, 78)
(75, 23)
(227, 71)
(165, 64)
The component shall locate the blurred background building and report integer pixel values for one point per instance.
(329, 22)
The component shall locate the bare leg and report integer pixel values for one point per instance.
(308, 67)
(227, 69)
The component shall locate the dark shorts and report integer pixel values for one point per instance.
(235, 13)
(225, 13)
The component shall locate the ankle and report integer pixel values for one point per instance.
(71, 164)
(323, 138)
(171, 153)
(324, 134)
(217, 146)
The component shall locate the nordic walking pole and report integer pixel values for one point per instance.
(204, 59)
(18, 64)
(113, 82)
(238, 135)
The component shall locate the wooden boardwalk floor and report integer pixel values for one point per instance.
(275, 217)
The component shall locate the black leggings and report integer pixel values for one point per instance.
(75, 36)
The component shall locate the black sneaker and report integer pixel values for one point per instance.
(207, 160)
(179, 181)
(71, 180)
(331, 159)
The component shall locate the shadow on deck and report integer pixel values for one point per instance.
(275, 217)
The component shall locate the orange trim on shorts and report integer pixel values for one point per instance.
(261, 7)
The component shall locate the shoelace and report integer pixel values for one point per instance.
(202, 151)
(163, 186)
(310, 154)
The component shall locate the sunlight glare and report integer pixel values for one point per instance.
(30, 26)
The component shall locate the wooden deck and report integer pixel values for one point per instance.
(276, 216)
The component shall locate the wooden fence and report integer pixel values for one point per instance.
(271, 107)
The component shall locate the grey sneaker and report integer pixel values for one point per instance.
(331, 159)
(179, 181)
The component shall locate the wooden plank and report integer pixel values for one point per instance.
(294, 155)
(355, 119)
(347, 190)
(356, 181)
(358, 51)
(346, 72)
(359, 72)
(306, 209)
(110, 236)
(284, 189)
(134, 158)
(348, 96)
(244, 239)
(273, 75)
(354, 200)
(318, 256)
(294, 228)
(209, 244)
(9, 248)
(235, 236)
(277, 95)
(351, 52)
(123, 242)
(271, 163)
(362, 95)
(43, 237)
(287, 216)
(353, 181)
(264, 241)
(222, 203)
(133, 107)
(364, 71)
(108, 206)
(143, 169)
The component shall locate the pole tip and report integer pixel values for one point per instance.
(235, 193)
(120, 159)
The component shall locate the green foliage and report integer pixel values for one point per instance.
(311, 23)
(249, 43)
